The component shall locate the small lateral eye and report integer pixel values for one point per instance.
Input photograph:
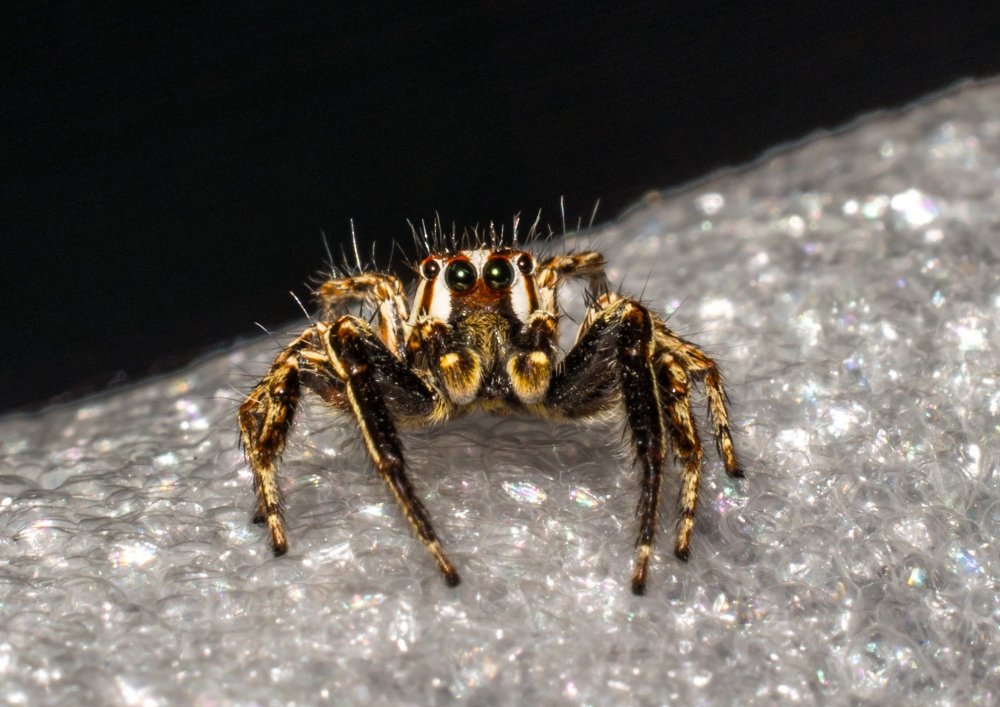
(498, 273)
(460, 276)
(525, 263)
(429, 269)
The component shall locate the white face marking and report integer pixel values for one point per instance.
(440, 298)
(438, 303)
(519, 300)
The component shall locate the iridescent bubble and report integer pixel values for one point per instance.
(133, 555)
(966, 560)
(359, 602)
(525, 492)
(917, 578)
(584, 497)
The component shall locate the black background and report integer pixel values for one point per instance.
(166, 172)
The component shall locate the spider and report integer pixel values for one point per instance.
(481, 333)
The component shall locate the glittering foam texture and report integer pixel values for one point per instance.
(849, 287)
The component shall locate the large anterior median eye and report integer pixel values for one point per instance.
(460, 275)
(498, 273)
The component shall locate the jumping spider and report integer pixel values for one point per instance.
(481, 333)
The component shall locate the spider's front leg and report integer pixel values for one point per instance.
(624, 350)
(366, 367)
(614, 356)
(383, 292)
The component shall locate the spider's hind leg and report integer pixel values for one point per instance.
(675, 390)
(265, 418)
(688, 357)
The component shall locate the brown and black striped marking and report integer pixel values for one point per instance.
(482, 335)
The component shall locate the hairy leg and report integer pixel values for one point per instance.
(350, 346)
(265, 418)
(617, 347)
(383, 292)
(676, 393)
(699, 365)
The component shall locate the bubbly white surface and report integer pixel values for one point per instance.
(849, 287)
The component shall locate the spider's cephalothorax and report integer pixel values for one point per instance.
(483, 334)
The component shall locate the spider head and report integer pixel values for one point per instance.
(499, 280)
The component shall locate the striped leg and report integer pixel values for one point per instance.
(645, 417)
(686, 445)
(264, 418)
(383, 292)
(552, 272)
(353, 350)
(699, 366)
(588, 265)
(624, 329)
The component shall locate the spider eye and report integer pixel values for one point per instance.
(430, 269)
(498, 273)
(460, 276)
(525, 264)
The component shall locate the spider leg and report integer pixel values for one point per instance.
(359, 359)
(383, 292)
(552, 272)
(644, 412)
(264, 418)
(698, 364)
(676, 393)
(621, 330)
(588, 265)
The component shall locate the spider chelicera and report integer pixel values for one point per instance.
(481, 333)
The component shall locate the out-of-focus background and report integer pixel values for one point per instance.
(167, 173)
